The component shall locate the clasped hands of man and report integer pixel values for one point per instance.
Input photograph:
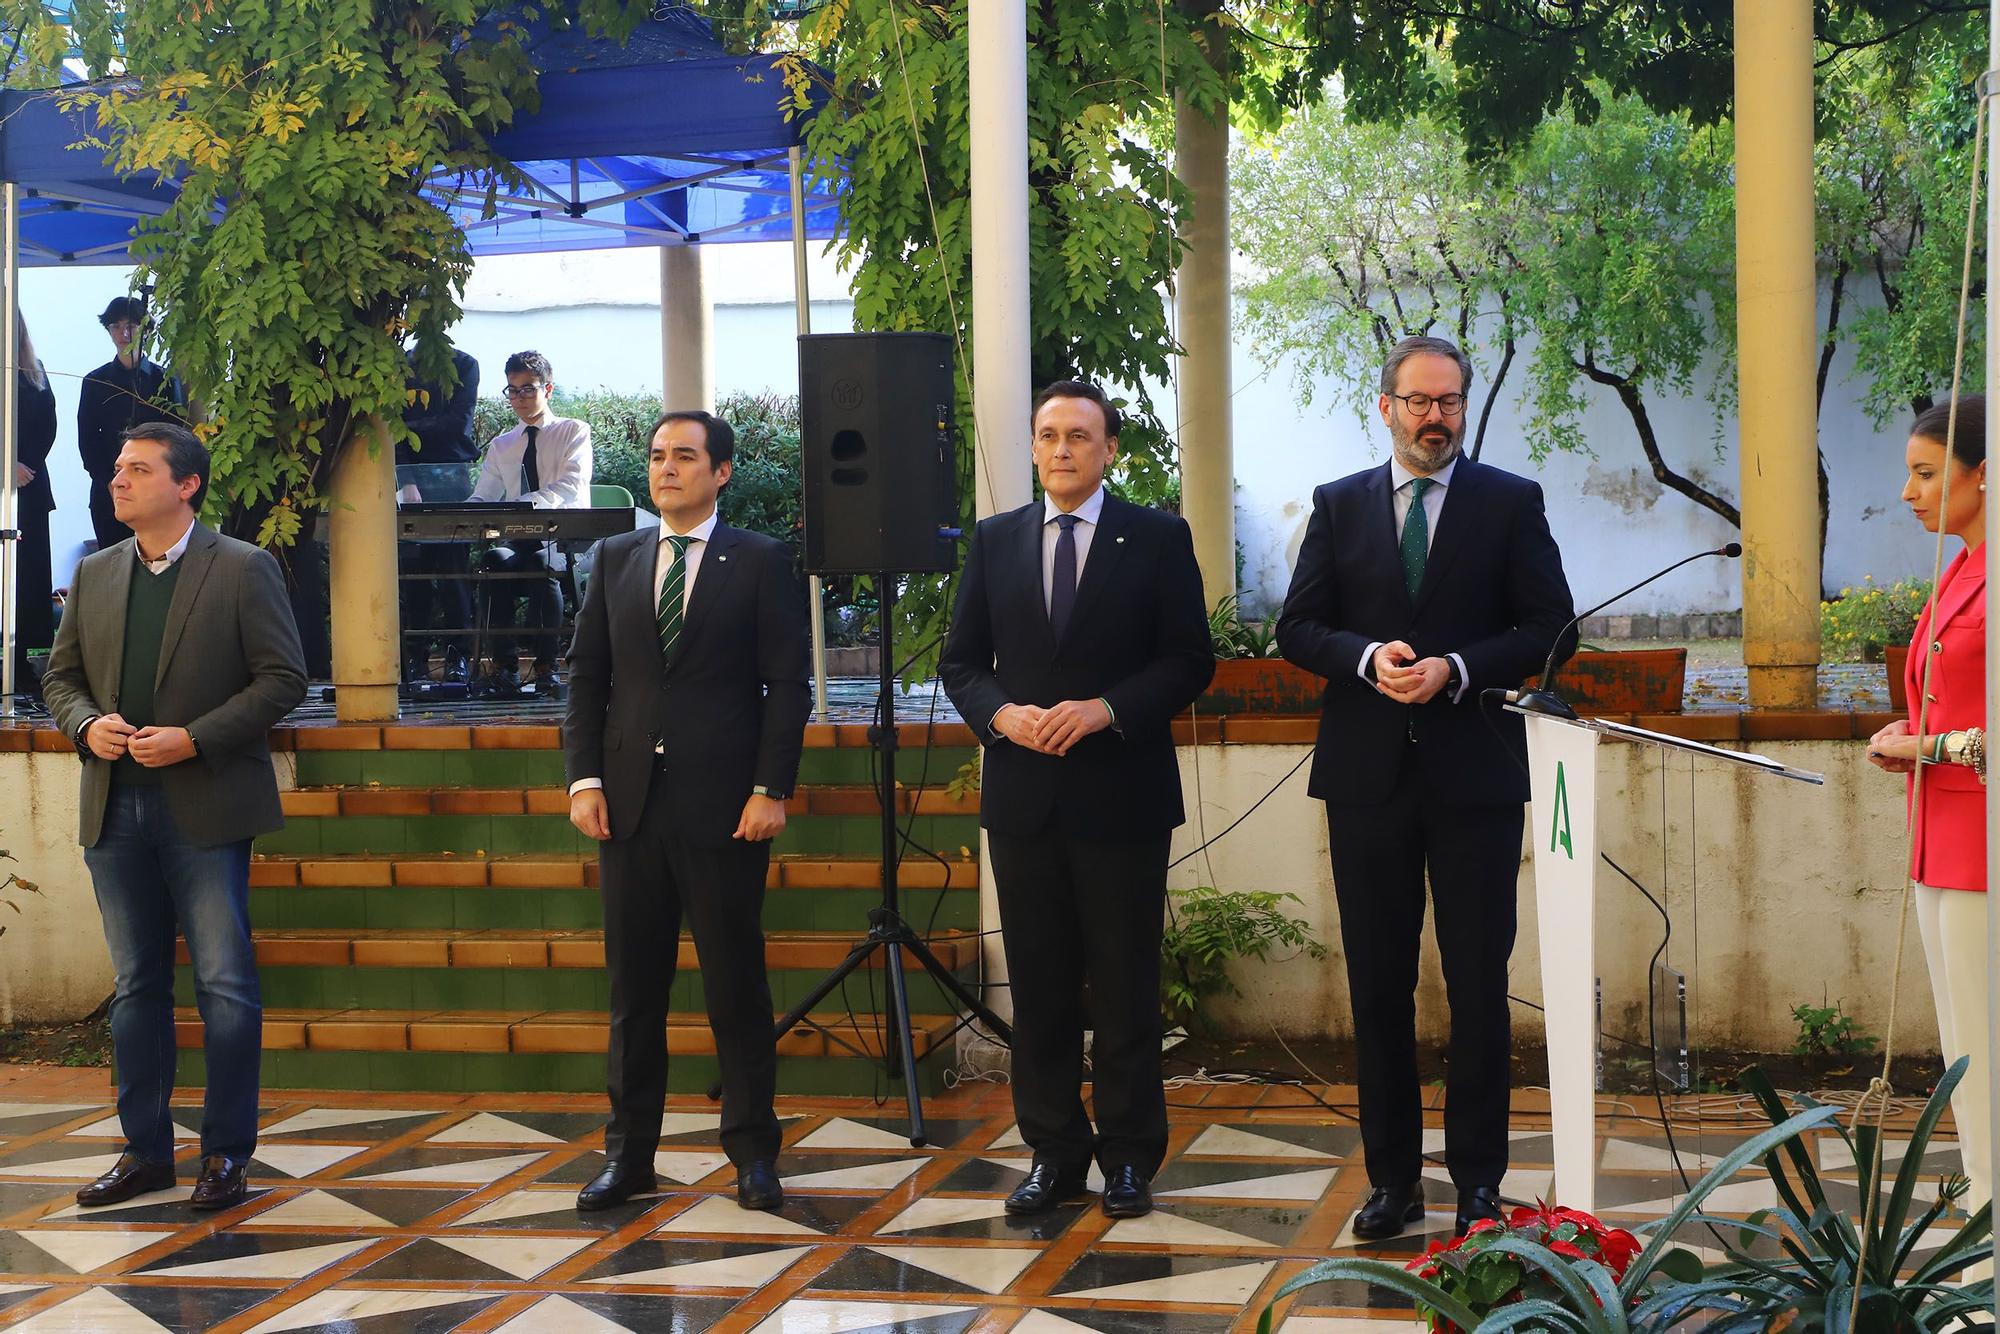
(1053, 730)
(1406, 678)
(110, 737)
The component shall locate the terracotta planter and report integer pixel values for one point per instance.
(1262, 686)
(1649, 680)
(1896, 659)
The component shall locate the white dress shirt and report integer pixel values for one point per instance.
(1089, 511)
(1401, 478)
(562, 464)
(172, 553)
(663, 560)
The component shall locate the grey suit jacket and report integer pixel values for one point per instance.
(230, 668)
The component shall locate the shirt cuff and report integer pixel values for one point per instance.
(1368, 657)
(1115, 725)
(1464, 680)
(585, 785)
(993, 732)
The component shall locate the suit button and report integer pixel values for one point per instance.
(1930, 699)
(1936, 647)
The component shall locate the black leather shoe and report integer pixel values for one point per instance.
(758, 1187)
(131, 1175)
(616, 1184)
(1475, 1204)
(224, 1182)
(456, 669)
(1127, 1194)
(1389, 1210)
(1046, 1187)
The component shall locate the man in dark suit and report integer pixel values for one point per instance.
(175, 657)
(1421, 583)
(689, 694)
(124, 391)
(1079, 633)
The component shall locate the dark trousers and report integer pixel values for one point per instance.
(35, 623)
(649, 882)
(1473, 853)
(153, 884)
(103, 521)
(452, 598)
(499, 596)
(1077, 912)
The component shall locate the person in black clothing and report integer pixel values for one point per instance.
(35, 432)
(443, 423)
(124, 391)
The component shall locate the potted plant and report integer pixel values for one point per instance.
(1250, 677)
(1208, 927)
(1873, 623)
(1631, 680)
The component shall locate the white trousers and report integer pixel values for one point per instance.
(1953, 923)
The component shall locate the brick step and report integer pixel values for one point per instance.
(579, 871)
(350, 948)
(829, 800)
(525, 1032)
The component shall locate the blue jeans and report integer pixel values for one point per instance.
(151, 885)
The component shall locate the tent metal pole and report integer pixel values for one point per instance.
(802, 300)
(10, 495)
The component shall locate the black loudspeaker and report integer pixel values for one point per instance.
(875, 418)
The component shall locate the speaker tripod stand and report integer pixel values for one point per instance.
(888, 930)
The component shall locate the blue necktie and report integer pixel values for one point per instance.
(1062, 582)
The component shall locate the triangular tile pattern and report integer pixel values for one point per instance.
(92, 1311)
(87, 1249)
(318, 1121)
(346, 1308)
(870, 1176)
(302, 1160)
(489, 1128)
(811, 1316)
(268, 1255)
(449, 1166)
(560, 1315)
(696, 1265)
(989, 1269)
(1234, 1142)
(109, 1128)
(1161, 1228)
(1224, 1284)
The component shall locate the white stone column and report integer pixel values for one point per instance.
(687, 329)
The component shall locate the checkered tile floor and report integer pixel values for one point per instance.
(381, 1214)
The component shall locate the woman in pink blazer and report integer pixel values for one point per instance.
(1945, 734)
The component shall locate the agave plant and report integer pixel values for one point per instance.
(1587, 1298)
(1813, 1288)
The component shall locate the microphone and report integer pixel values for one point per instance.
(1543, 698)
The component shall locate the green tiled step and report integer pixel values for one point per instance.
(849, 766)
(513, 835)
(557, 893)
(496, 970)
(548, 1051)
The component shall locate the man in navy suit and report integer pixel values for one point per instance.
(1079, 633)
(1421, 583)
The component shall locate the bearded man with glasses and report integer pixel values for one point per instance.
(1420, 583)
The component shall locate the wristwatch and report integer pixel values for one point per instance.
(761, 790)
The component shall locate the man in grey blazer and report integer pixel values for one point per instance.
(176, 655)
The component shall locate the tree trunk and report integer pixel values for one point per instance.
(1649, 441)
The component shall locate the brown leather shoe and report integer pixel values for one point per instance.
(224, 1182)
(131, 1175)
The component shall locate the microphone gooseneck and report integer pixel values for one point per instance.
(1543, 699)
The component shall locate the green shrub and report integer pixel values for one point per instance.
(1862, 621)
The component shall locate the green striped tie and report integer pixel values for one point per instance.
(672, 594)
(1416, 536)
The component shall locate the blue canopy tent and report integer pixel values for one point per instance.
(667, 140)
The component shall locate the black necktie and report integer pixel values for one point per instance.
(1062, 581)
(531, 475)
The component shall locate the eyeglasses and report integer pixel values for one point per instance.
(521, 390)
(1420, 404)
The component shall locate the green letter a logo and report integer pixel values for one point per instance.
(1559, 830)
